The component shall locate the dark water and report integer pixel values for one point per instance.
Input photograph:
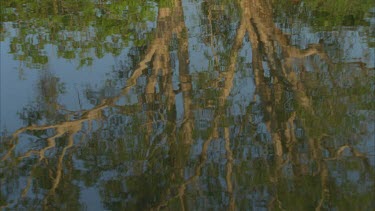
(187, 105)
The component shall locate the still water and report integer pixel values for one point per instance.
(187, 105)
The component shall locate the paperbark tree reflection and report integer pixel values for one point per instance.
(142, 156)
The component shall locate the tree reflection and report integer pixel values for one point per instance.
(83, 30)
(295, 145)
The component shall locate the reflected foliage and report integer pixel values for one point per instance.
(267, 120)
(325, 15)
(83, 30)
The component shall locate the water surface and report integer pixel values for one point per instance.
(187, 105)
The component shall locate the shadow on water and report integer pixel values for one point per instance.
(184, 105)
